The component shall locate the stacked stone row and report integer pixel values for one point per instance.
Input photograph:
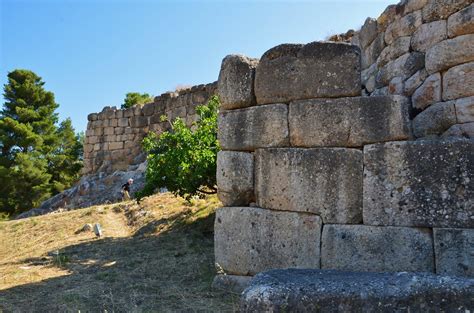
(312, 175)
(424, 49)
(113, 137)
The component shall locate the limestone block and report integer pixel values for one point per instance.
(465, 110)
(442, 9)
(128, 112)
(318, 69)
(148, 109)
(236, 82)
(96, 124)
(98, 131)
(415, 81)
(398, 48)
(427, 35)
(454, 250)
(435, 120)
(396, 86)
(404, 26)
(119, 114)
(348, 122)
(235, 178)
(254, 127)
(324, 181)
(92, 117)
(387, 17)
(200, 97)
(370, 54)
(97, 147)
(458, 81)
(380, 92)
(368, 77)
(460, 130)
(251, 240)
(462, 22)
(413, 5)
(115, 145)
(420, 183)
(108, 131)
(137, 110)
(404, 66)
(363, 248)
(113, 122)
(155, 119)
(429, 92)
(138, 121)
(449, 53)
(368, 32)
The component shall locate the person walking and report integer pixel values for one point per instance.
(126, 190)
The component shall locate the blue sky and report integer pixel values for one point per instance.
(91, 53)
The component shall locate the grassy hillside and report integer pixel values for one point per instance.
(154, 257)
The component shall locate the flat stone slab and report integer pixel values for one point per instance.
(454, 250)
(254, 127)
(349, 122)
(419, 183)
(377, 249)
(323, 181)
(294, 290)
(316, 70)
(249, 240)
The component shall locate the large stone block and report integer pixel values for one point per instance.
(236, 82)
(454, 250)
(465, 110)
(441, 9)
(462, 22)
(398, 48)
(449, 53)
(460, 130)
(138, 121)
(364, 248)
(368, 32)
(370, 54)
(422, 183)
(404, 26)
(427, 35)
(254, 127)
(301, 290)
(323, 181)
(458, 81)
(428, 93)
(434, 120)
(404, 66)
(235, 178)
(318, 69)
(415, 81)
(251, 240)
(348, 122)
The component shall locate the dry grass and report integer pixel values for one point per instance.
(154, 257)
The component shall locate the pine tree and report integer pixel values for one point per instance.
(37, 158)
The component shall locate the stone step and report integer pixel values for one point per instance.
(301, 290)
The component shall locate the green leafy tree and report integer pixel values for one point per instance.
(183, 160)
(133, 98)
(37, 158)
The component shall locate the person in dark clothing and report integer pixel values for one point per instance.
(126, 190)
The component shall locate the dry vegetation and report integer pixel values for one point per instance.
(154, 257)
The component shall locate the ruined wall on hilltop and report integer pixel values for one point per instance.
(422, 49)
(316, 172)
(113, 136)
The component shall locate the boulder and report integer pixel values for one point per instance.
(368, 32)
(404, 26)
(348, 122)
(460, 130)
(249, 240)
(404, 66)
(454, 251)
(442, 9)
(372, 52)
(318, 69)
(429, 92)
(398, 48)
(435, 120)
(462, 22)
(449, 53)
(415, 81)
(324, 181)
(422, 183)
(465, 110)
(428, 35)
(458, 81)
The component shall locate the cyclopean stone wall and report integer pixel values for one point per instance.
(422, 49)
(315, 174)
(113, 137)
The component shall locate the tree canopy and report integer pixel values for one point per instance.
(38, 157)
(183, 160)
(133, 98)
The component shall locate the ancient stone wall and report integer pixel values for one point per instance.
(315, 173)
(113, 137)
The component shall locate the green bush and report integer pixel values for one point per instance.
(183, 160)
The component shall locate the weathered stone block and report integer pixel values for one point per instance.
(441, 9)
(404, 26)
(435, 120)
(454, 250)
(108, 131)
(462, 22)
(318, 69)
(449, 53)
(429, 92)
(376, 249)
(92, 117)
(115, 145)
(368, 32)
(396, 86)
(370, 54)
(251, 240)
(148, 109)
(128, 112)
(458, 81)
(422, 183)
(119, 114)
(123, 122)
(465, 110)
(413, 5)
(387, 17)
(324, 181)
(348, 122)
(460, 130)
(404, 66)
(235, 178)
(398, 48)
(415, 81)
(138, 121)
(254, 127)
(368, 77)
(236, 82)
(293, 290)
(427, 35)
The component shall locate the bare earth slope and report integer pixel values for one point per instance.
(155, 257)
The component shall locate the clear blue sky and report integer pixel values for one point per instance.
(91, 52)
